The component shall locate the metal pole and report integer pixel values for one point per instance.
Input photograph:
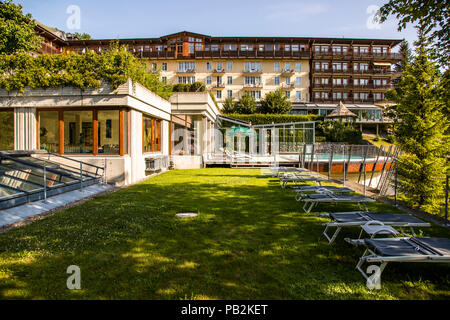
(395, 190)
(365, 165)
(330, 162)
(344, 164)
(446, 199)
(81, 176)
(45, 184)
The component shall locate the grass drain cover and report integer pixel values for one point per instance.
(187, 215)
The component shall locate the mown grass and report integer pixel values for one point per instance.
(249, 241)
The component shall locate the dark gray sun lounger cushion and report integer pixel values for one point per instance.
(413, 249)
(340, 220)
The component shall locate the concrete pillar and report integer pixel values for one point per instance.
(25, 131)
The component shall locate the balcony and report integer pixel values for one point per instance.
(218, 86)
(250, 54)
(252, 71)
(155, 54)
(290, 86)
(186, 71)
(356, 56)
(219, 71)
(253, 86)
(288, 72)
(47, 49)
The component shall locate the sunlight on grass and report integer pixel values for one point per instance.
(250, 240)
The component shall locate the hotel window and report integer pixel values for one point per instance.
(276, 67)
(219, 94)
(252, 80)
(287, 47)
(298, 95)
(219, 66)
(378, 96)
(317, 66)
(208, 80)
(219, 81)
(229, 93)
(317, 95)
(288, 94)
(337, 49)
(164, 66)
(191, 47)
(336, 66)
(261, 47)
(325, 95)
(229, 47)
(324, 65)
(186, 66)
(276, 81)
(158, 48)
(287, 66)
(295, 47)
(164, 80)
(208, 66)
(255, 94)
(146, 48)
(252, 66)
(337, 95)
(108, 139)
(214, 47)
(269, 47)
(154, 67)
(363, 50)
(7, 130)
(298, 81)
(151, 134)
(298, 66)
(287, 80)
(207, 47)
(230, 66)
(243, 47)
(317, 49)
(48, 131)
(188, 80)
(229, 80)
(78, 132)
(324, 49)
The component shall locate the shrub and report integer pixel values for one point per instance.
(275, 102)
(338, 131)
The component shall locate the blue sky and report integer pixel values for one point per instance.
(153, 18)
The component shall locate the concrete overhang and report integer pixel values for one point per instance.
(130, 94)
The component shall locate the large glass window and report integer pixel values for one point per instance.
(7, 130)
(78, 132)
(152, 134)
(49, 131)
(108, 131)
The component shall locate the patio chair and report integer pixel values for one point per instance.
(312, 200)
(341, 220)
(403, 249)
(318, 189)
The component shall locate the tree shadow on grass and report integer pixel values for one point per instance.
(250, 241)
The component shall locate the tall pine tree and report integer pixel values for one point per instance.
(421, 128)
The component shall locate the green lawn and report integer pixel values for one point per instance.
(250, 241)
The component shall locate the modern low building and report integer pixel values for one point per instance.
(118, 128)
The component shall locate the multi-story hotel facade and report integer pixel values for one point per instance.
(315, 73)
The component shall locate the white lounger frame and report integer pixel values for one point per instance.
(311, 203)
(371, 257)
(340, 225)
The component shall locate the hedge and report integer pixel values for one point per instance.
(257, 118)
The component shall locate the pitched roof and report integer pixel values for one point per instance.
(341, 111)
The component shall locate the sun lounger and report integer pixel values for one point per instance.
(276, 171)
(403, 249)
(341, 220)
(299, 178)
(301, 190)
(311, 200)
